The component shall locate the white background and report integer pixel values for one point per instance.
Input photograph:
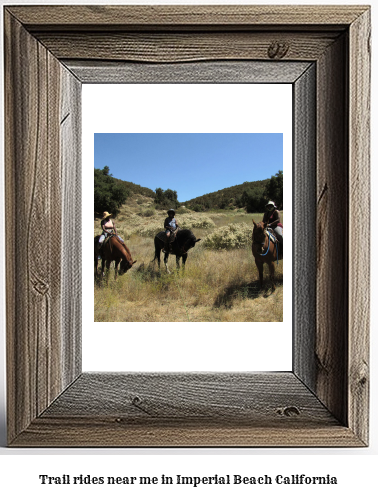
(185, 346)
(355, 468)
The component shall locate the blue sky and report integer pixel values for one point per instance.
(191, 164)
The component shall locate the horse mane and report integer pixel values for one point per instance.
(261, 224)
(114, 241)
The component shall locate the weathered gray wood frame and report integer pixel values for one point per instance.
(324, 400)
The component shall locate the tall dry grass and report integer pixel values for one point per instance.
(216, 285)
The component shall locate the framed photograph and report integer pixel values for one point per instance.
(238, 145)
(323, 53)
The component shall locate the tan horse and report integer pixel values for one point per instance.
(263, 250)
(114, 249)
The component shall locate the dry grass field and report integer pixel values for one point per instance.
(219, 283)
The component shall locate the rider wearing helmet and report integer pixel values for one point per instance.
(171, 227)
(273, 220)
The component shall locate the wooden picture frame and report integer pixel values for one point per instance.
(49, 52)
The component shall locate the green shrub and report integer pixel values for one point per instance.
(150, 212)
(229, 237)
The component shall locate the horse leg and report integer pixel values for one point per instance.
(166, 262)
(184, 257)
(116, 269)
(178, 261)
(271, 270)
(260, 267)
(107, 263)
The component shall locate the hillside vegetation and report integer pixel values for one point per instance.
(250, 195)
(232, 197)
(219, 283)
(111, 193)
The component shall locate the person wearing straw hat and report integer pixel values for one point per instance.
(273, 220)
(108, 228)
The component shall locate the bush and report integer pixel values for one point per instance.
(192, 221)
(149, 212)
(182, 210)
(229, 237)
(150, 229)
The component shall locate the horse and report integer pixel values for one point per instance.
(264, 250)
(184, 241)
(113, 249)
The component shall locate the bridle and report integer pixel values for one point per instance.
(266, 233)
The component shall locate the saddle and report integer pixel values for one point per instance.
(277, 242)
(101, 249)
(161, 236)
(273, 236)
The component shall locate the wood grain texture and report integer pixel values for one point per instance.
(33, 199)
(304, 227)
(332, 230)
(243, 397)
(180, 47)
(203, 72)
(99, 432)
(71, 189)
(359, 212)
(33, 245)
(185, 16)
(197, 409)
(323, 402)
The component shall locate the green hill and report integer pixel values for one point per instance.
(136, 188)
(251, 196)
(232, 197)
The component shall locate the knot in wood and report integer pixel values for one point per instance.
(363, 381)
(288, 411)
(278, 50)
(136, 400)
(139, 403)
(41, 287)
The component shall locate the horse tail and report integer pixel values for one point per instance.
(157, 249)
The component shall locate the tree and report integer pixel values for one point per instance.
(252, 199)
(166, 199)
(274, 189)
(109, 195)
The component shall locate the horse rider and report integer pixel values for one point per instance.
(108, 228)
(273, 220)
(171, 227)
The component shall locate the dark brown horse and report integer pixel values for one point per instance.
(184, 241)
(113, 249)
(264, 250)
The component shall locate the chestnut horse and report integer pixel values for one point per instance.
(113, 249)
(264, 250)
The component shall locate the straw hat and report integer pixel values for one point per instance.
(106, 214)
